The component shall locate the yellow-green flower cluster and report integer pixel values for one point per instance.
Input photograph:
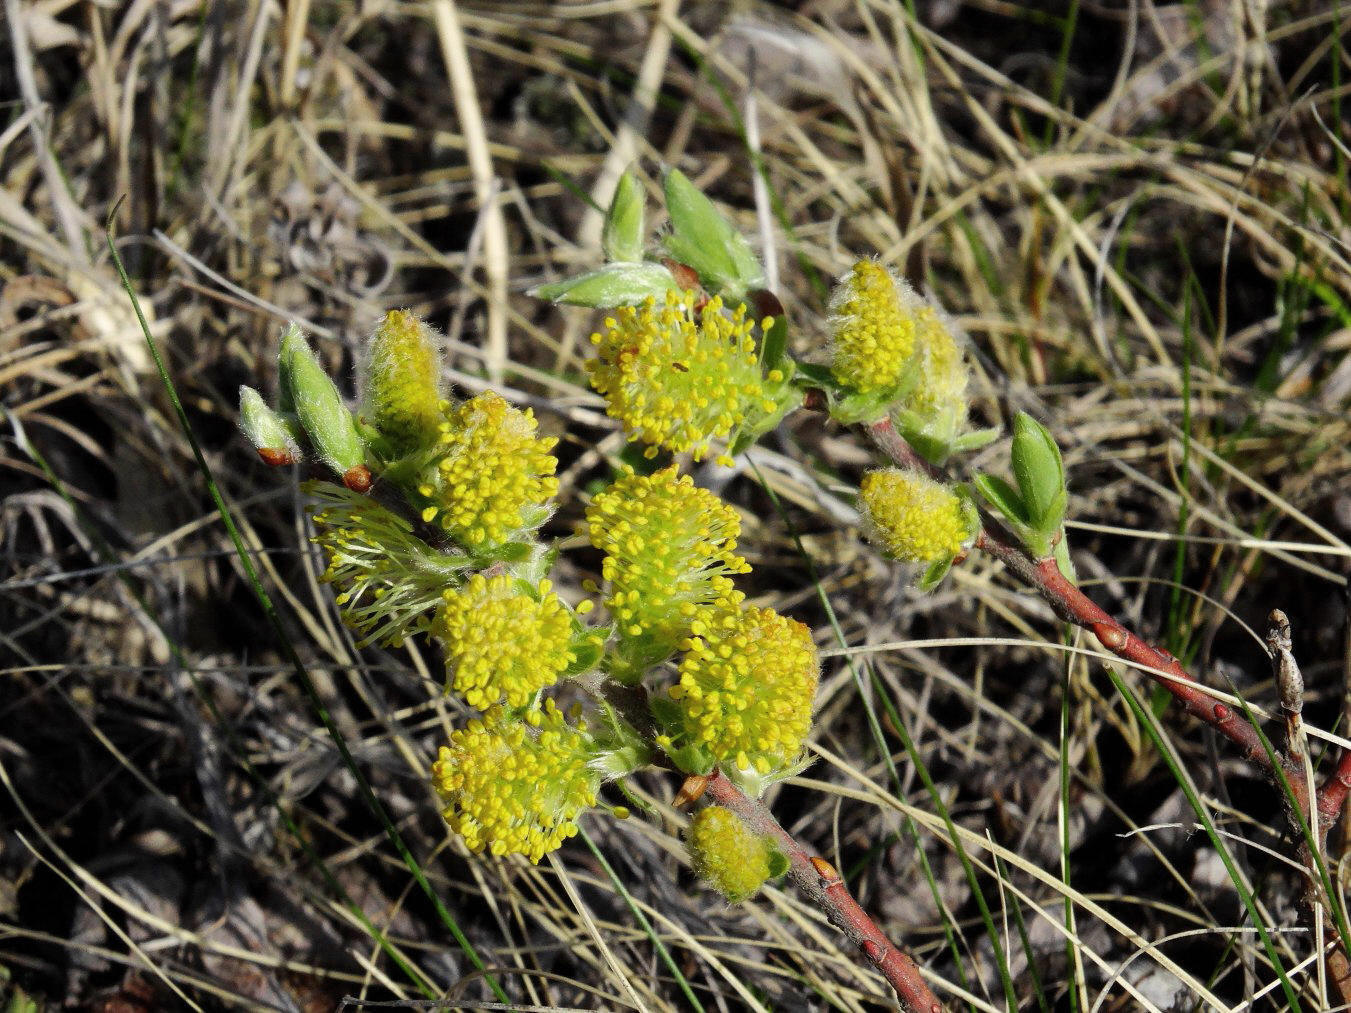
(512, 788)
(875, 321)
(503, 643)
(913, 518)
(670, 547)
(490, 476)
(746, 687)
(727, 854)
(403, 389)
(679, 378)
(388, 579)
(940, 393)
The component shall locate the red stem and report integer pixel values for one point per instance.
(1332, 792)
(1073, 606)
(817, 878)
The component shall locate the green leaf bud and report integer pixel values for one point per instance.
(1003, 497)
(326, 421)
(1040, 474)
(269, 433)
(623, 284)
(622, 238)
(729, 856)
(703, 239)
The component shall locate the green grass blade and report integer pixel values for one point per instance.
(643, 922)
(1150, 724)
(236, 749)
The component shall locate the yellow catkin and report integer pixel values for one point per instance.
(911, 517)
(874, 322)
(678, 378)
(514, 789)
(403, 389)
(503, 644)
(489, 474)
(746, 687)
(387, 578)
(727, 854)
(670, 546)
(943, 374)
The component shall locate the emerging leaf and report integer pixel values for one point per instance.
(623, 284)
(622, 238)
(703, 239)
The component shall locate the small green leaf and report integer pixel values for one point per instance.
(786, 398)
(1002, 496)
(853, 407)
(535, 567)
(1040, 473)
(812, 374)
(1063, 560)
(690, 758)
(320, 408)
(974, 440)
(613, 764)
(933, 576)
(775, 345)
(778, 862)
(622, 238)
(507, 552)
(624, 284)
(703, 239)
(588, 648)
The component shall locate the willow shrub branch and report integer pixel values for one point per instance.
(1073, 606)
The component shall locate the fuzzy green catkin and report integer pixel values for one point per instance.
(727, 854)
(403, 388)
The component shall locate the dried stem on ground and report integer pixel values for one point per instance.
(817, 878)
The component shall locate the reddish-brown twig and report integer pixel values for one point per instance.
(819, 881)
(1073, 606)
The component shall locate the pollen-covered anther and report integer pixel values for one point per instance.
(677, 376)
(516, 787)
(746, 686)
(503, 643)
(913, 518)
(489, 471)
